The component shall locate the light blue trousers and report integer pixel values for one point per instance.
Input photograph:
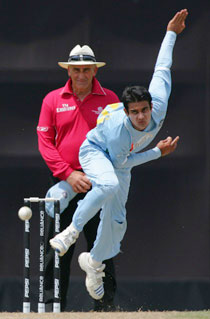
(109, 192)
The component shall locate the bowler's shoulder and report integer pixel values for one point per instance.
(114, 107)
(112, 112)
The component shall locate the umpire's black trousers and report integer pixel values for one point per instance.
(90, 231)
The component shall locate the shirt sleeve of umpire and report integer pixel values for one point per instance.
(140, 158)
(160, 85)
(46, 143)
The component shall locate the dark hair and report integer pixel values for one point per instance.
(135, 94)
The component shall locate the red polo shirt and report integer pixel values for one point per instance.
(64, 122)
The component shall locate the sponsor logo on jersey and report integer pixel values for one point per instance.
(65, 108)
(42, 128)
(98, 111)
(142, 140)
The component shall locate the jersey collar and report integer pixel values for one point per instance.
(96, 89)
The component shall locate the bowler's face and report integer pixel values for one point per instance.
(139, 114)
(82, 76)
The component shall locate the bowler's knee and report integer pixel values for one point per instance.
(111, 187)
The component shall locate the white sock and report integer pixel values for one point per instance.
(93, 263)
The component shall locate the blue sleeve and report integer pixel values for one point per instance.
(124, 159)
(160, 86)
(139, 158)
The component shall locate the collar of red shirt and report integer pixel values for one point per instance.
(96, 89)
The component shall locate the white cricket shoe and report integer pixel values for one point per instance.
(64, 240)
(94, 281)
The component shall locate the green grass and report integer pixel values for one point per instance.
(111, 315)
(175, 315)
(188, 315)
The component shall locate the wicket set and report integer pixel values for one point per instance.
(26, 299)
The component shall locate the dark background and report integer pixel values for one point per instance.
(168, 236)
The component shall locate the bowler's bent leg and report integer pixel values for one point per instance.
(113, 224)
(105, 184)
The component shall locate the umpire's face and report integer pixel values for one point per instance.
(139, 114)
(82, 77)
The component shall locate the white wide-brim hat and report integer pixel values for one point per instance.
(81, 56)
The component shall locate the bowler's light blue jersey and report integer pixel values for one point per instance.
(114, 132)
(109, 153)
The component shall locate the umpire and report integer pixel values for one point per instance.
(66, 116)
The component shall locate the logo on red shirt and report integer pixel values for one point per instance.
(65, 108)
(42, 128)
(98, 111)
